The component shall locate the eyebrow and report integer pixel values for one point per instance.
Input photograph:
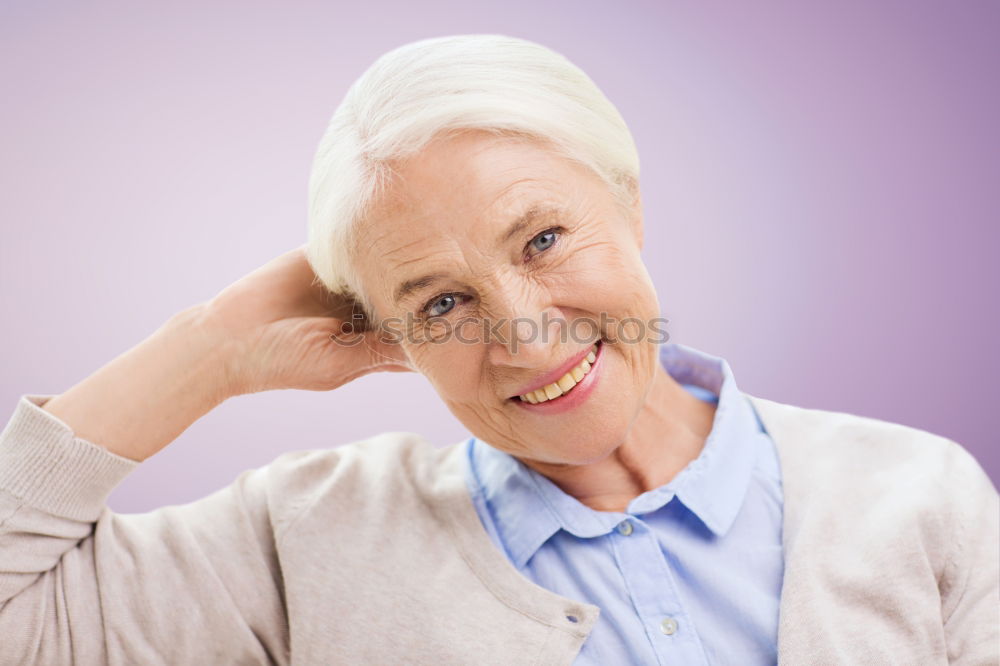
(411, 286)
(527, 218)
(522, 222)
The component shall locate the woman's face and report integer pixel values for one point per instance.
(501, 264)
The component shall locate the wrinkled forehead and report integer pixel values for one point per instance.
(470, 178)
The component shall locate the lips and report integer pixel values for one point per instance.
(560, 380)
(577, 394)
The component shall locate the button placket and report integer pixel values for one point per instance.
(653, 591)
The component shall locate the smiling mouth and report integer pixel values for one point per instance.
(564, 384)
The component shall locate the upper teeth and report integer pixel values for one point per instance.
(564, 383)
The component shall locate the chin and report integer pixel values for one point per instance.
(585, 447)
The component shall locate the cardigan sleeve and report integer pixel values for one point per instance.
(198, 583)
(970, 586)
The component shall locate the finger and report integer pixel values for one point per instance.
(384, 353)
(298, 286)
(367, 351)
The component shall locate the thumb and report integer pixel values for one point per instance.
(388, 355)
(374, 351)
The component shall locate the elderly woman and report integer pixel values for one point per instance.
(476, 217)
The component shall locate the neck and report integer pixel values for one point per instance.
(669, 432)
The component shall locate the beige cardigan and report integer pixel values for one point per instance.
(372, 553)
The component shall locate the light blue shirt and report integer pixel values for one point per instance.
(691, 572)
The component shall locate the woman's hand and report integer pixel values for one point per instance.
(270, 329)
(275, 327)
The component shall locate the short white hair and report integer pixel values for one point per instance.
(496, 83)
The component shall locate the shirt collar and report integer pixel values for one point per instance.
(527, 508)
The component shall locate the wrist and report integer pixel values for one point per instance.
(143, 399)
(207, 349)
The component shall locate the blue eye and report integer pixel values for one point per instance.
(544, 240)
(440, 306)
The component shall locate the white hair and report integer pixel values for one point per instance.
(496, 83)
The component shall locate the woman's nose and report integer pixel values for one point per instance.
(526, 340)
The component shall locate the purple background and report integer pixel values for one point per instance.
(820, 186)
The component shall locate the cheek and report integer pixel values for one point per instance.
(452, 367)
(606, 278)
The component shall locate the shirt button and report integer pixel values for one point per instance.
(668, 626)
(625, 528)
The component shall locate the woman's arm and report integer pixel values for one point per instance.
(198, 583)
(269, 330)
(192, 584)
(145, 398)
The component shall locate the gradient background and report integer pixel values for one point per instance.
(820, 185)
